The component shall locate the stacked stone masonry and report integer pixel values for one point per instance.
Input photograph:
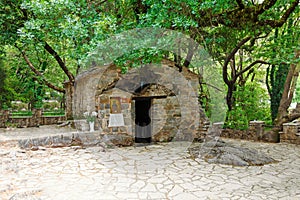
(37, 119)
(256, 132)
(291, 133)
(175, 112)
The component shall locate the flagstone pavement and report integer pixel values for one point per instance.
(159, 171)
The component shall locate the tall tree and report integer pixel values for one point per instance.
(64, 32)
(283, 115)
(275, 78)
(224, 27)
(4, 96)
(53, 37)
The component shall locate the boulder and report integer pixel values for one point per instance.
(220, 152)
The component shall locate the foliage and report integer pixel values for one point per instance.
(73, 29)
(10, 125)
(136, 58)
(2, 85)
(251, 103)
(50, 105)
(237, 119)
(296, 98)
(18, 105)
(11, 20)
(69, 28)
(279, 50)
(54, 113)
(6, 93)
(90, 117)
(21, 114)
(277, 75)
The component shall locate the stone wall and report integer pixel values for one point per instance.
(165, 115)
(175, 105)
(37, 119)
(291, 133)
(256, 132)
(166, 118)
(103, 108)
(239, 134)
(84, 139)
(87, 87)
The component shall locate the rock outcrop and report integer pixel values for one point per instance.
(223, 153)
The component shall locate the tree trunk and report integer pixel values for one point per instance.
(69, 88)
(287, 96)
(69, 85)
(229, 96)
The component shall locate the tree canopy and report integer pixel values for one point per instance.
(43, 43)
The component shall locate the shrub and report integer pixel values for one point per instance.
(251, 103)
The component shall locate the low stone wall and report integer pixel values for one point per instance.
(77, 139)
(255, 132)
(290, 133)
(37, 119)
(237, 134)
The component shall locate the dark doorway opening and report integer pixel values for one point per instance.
(143, 126)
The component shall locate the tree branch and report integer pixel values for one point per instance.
(95, 4)
(267, 4)
(250, 66)
(59, 61)
(215, 87)
(240, 3)
(241, 16)
(289, 87)
(231, 55)
(282, 20)
(293, 116)
(267, 80)
(38, 73)
(191, 50)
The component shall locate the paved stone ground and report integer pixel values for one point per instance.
(162, 171)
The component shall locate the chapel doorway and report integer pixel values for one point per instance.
(143, 125)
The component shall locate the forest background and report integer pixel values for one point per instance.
(256, 43)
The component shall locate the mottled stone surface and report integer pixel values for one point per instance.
(175, 112)
(223, 153)
(252, 134)
(291, 133)
(166, 119)
(161, 171)
(77, 139)
(255, 132)
(103, 107)
(37, 119)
